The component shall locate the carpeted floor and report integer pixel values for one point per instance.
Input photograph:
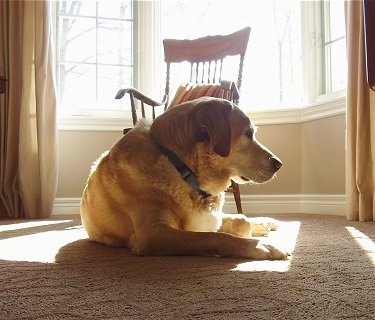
(49, 270)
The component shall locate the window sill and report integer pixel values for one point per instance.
(319, 110)
(315, 111)
(93, 123)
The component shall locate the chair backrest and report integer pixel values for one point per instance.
(206, 56)
(208, 59)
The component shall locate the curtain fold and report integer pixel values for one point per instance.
(360, 121)
(28, 136)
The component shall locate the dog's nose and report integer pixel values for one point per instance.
(276, 163)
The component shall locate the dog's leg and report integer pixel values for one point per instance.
(164, 240)
(236, 224)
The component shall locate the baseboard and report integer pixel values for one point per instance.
(66, 206)
(298, 203)
(253, 204)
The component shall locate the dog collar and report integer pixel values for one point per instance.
(184, 170)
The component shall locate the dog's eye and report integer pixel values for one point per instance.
(250, 134)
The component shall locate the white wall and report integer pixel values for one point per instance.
(311, 180)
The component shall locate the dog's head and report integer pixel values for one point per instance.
(217, 139)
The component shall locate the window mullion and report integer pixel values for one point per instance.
(148, 47)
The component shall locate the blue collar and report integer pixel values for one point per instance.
(184, 170)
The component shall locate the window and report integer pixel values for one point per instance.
(324, 49)
(296, 54)
(334, 46)
(289, 63)
(94, 54)
(272, 70)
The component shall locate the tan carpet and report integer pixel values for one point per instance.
(49, 270)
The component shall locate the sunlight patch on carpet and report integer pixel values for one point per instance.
(39, 246)
(285, 237)
(263, 265)
(363, 241)
(30, 224)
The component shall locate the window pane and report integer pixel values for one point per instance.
(77, 8)
(110, 79)
(334, 66)
(114, 42)
(337, 19)
(115, 9)
(77, 40)
(77, 85)
(338, 65)
(338, 48)
(95, 54)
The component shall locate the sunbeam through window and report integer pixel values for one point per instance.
(364, 242)
(285, 237)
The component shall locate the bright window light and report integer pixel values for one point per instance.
(94, 54)
(273, 65)
(296, 54)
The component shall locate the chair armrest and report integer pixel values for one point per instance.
(135, 94)
(141, 96)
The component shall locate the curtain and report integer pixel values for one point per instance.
(28, 137)
(360, 122)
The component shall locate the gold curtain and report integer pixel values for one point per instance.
(28, 137)
(360, 121)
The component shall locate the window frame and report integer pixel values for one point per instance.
(315, 72)
(146, 60)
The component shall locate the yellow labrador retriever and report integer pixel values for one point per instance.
(159, 189)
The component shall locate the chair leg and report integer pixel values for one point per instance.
(237, 196)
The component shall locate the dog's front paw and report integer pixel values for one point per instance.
(261, 226)
(258, 250)
(275, 253)
(259, 229)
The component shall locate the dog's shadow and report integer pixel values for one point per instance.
(97, 259)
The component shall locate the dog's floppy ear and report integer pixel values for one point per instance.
(213, 117)
(204, 119)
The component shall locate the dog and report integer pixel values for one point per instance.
(159, 189)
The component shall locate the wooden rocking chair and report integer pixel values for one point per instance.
(207, 57)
